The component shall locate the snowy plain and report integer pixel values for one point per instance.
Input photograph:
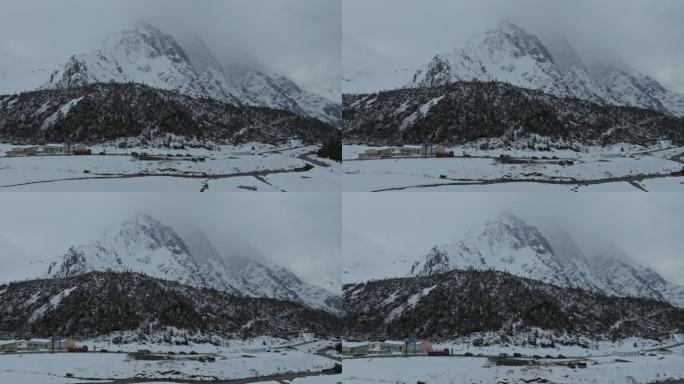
(236, 359)
(249, 167)
(471, 370)
(593, 169)
(605, 364)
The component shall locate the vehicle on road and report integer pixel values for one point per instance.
(438, 352)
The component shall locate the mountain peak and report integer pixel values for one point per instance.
(145, 27)
(514, 230)
(508, 53)
(507, 26)
(508, 218)
(145, 245)
(509, 244)
(145, 54)
(145, 219)
(508, 34)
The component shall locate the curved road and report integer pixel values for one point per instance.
(305, 157)
(181, 175)
(628, 179)
(279, 378)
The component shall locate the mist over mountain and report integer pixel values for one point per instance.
(508, 53)
(511, 245)
(145, 245)
(145, 54)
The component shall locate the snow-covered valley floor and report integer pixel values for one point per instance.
(604, 365)
(615, 168)
(118, 363)
(229, 168)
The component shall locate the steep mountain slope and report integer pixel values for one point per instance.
(100, 303)
(571, 258)
(505, 244)
(460, 303)
(145, 245)
(623, 277)
(626, 86)
(97, 113)
(463, 112)
(510, 245)
(252, 275)
(144, 54)
(510, 54)
(507, 54)
(260, 278)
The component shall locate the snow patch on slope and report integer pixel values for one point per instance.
(410, 303)
(60, 113)
(422, 111)
(53, 302)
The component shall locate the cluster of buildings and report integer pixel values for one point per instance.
(52, 344)
(49, 149)
(387, 347)
(426, 150)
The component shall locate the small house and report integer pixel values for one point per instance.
(419, 346)
(9, 345)
(376, 153)
(53, 149)
(38, 344)
(61, 343)
(386, 152)
(427, 150)
(354, 348)
(409, 151)
(440, 148)
(22, 151)
(387, 347)
(369, 154)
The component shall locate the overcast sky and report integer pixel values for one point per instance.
(299, 231)
(383, 234)
(299, 38)
(396, 34)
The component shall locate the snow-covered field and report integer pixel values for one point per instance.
(237, 359)
(604, 365)
(482, 170)
(440, 370)
(332, 379)
(228, 168)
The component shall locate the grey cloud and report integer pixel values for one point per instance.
(299, 38)
(647, 227)
(647, 34)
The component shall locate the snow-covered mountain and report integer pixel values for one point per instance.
(145, 245)
(138, 113)
(145, 54)
(254, 276)
(505, 244)
(132, 307)
(510, 54)
(470, 111)
(508, 244)
(499, 307)
(507, 54)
